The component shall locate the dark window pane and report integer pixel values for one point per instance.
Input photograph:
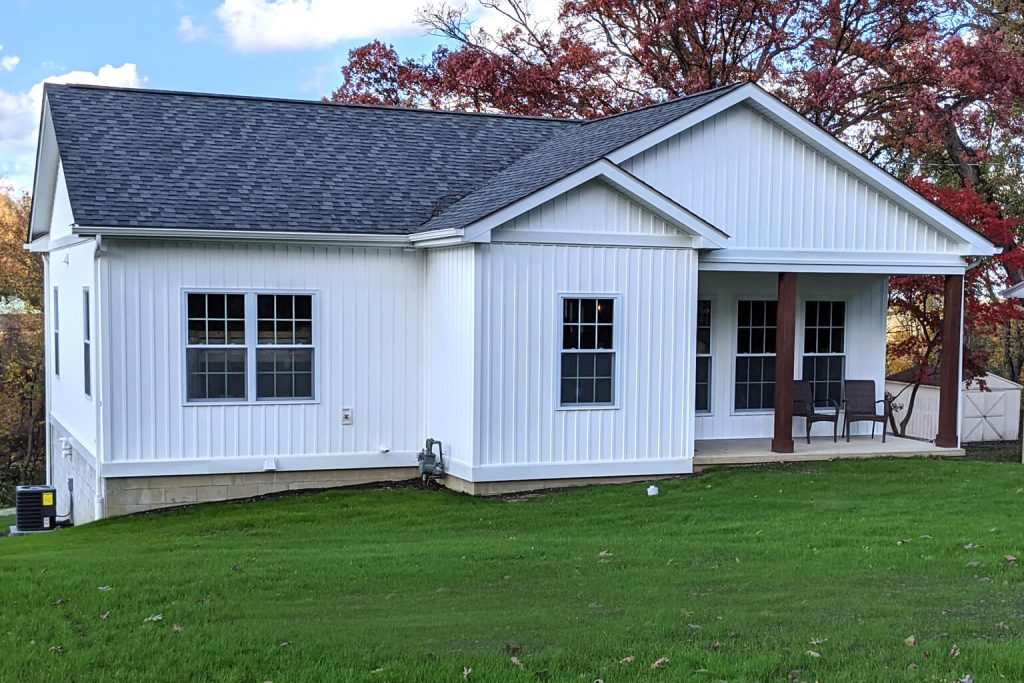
(588, 337)
(197, 305)
(569, 391)
(757, 343)
(605, 310)
(588, 310)
(743, 341)
(196, 386)
(568, 365)
(811, 314)
(585, 390)
(236, 386)
(768, 395)
(744, 314)
(88, 371)
(771, 312)
(571, 311)
(824, 341)
(741, 397)
(196, 331)
(283, 386)
(216, 332)
(304, 332)
(302, 360)
(570, 337)
(304, 307)
(586, 364)
(304, 385)
(769, 340)
(602, 391)
(604, 337)
(742, 369)
(284, 306)
(768, 369)
(756, 369)
(236, 361)
(702, 403)
(215, 305)
(838, 313)
(837, 341)
(236, 331)
(703, 313)
(217, 386)
(757, 314)
(264, 361)
(809, 338)
(703, 370)
(285, 333)
(265, 332)
(603, 365)
(236, 306)
(703, 340)
(265, 306)
(265, 385)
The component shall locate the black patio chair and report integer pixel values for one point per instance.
(861, 405)
(804, 405)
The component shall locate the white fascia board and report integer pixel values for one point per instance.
(248, 235)
(812, 261)
(1014, 292)
(44, 179)
(627, 184)
(437, 238)
(849, 159)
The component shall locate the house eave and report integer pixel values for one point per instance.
(355, 239)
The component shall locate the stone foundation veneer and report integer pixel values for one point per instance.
(127, 495)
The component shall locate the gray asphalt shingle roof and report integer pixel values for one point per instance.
(138, 158)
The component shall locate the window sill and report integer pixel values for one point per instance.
(753, 411)
(268, 402)
(587, 406)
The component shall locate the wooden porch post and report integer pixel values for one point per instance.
(949, 362)
(785, 339)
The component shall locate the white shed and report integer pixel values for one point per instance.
(992, 414)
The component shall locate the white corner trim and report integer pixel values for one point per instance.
(618, 179)
(845, 156)
(248, 464)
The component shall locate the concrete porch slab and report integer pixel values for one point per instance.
(708, 453)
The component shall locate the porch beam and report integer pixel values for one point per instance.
(949, 362)
(785, 341)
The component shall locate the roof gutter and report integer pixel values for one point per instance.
(249, 235)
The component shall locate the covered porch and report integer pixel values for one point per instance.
(710, 453)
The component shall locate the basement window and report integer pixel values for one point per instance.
(588, 352)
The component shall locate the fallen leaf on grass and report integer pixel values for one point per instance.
(954, 651)
(902, 541)
(695, 627)
(153, 618)
(812, 653)
(966, 679)
(971, 546)
(926, 654)
(104, 616)
(605, 553)
(466, 671)
(285, 643)
(716, 646)
(1010, 559)
(378, 670)
(973, 563)
(103, 589)
(925, 536)
(910, 641)
(1003, 625)
(627, 660)
(57, 650)
(515, 661)
(659, 663)
(911, 666)
(818, 641)
(59, 601)
(177, 628)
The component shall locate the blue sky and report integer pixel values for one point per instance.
(281, 48)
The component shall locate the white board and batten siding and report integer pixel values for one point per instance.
(524, 432)
(865, 297)
(988, 415)
(772, 192)
(369, 357)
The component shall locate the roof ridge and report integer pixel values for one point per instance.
(666, 102)
(320, 102)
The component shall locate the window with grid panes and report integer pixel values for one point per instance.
(215, 352)
(824, 364)
(703, 378)
(588, 351)
(755, 355)
(284, 346)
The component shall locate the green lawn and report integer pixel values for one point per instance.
(808, 572)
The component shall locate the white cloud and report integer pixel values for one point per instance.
(19, 117)
(9, 62)
(267, 25)
(189, 30)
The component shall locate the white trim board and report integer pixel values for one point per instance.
(811, 261)
(705, 235)
(249, 464)
(578, 470)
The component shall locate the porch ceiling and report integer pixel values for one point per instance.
(757, 451)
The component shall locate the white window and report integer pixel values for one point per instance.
(755, 355)
(588, 352)
(703, 378)
(284, 346)
(56, 333)
(249, 347)
(825, 348)
(215, 352)
(87, 344)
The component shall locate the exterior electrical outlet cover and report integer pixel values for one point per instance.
(346, 416)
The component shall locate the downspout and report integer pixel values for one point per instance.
(97, 316)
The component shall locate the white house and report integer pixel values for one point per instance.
(250, 295)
